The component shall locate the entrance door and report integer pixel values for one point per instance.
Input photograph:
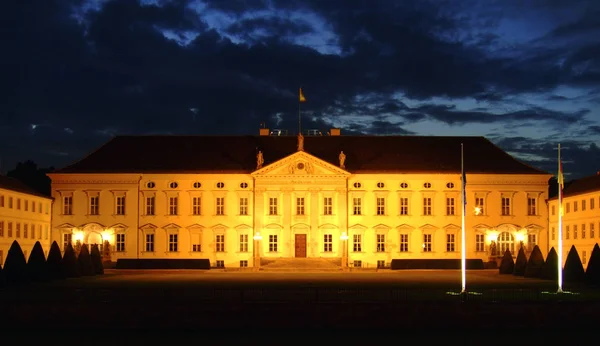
(300, 245)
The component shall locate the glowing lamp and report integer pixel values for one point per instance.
(107, 236)
(477, 211)
(520, 237)
(257, 236)
(344, 236)
(492, 236)
(78, 236)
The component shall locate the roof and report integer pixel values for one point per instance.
(583, 185)
(237, 154)
(16, 185)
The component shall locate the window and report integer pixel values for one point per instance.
(568, 207)
(427, 185)
(450, 206)
(357, 264)
(574, 231)
(380, 206)
(196, 205)
(426, 242)
(243, 243)
(582, 228)
(403, 242)
(583, 254)
(150, 242)
(327, 206)
(575, 206)
(357, 185)
(403, 206)
(553, 233)
(173, 205)
(18, 230)
(220, 185)
(568, 233)
(220, 205)
(380, 263)
(243, 185)
(506, 241)
(243, 263)
(300, 206)
(380, 185)
(243, 205)
(356, 206)
(450, 243)
(272, 205)
(40, 207)
(120, 242)
(427, 206)
(9, 230)
(67, 239)
(196, 242)
(479, 242)
(505, 206)
(197, 185)
(67, 205)
(121, 205)
(220, 264)
(404, 185)
(1, 228)
(32, 235)
(46, 232)
(356, 243)
(592, 203)
(531, 206)
(150, 185)
(150, 202)
(173, 185)
(10, 202)
(380, 242)
(173, 242)
(18, 204)
(25, 230)
(592, 231)
(220, 242)
(479, 206)
(450, 185)
(327, 243)
(26, 202)
(272, 243)
(583, 205)
(553, 210)
(2, 201)
(94, 205)
(531, 241)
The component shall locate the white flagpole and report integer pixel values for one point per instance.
(464, 208)
(560, 212)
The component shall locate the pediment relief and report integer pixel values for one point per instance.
(149, 226)
(242, 227)
(452, 227)
(65, 225)
(92, 226)
(195, 227)
(219, 226)
(428, 227)
(381, 227)
(534, 227)
(358, 227)
(328, 226)
(405, 227)
(170, 226)
(273, 226)
(118, 225)
(300, 164)
(482, 226)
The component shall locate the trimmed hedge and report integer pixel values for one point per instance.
(37, 264)
(54, 263)
(159, 263)
(550, 268)
(96, 260)
(592, 273)
(535, 264)
(507, 266)
(15, 266)
(520, 263)
(85, 262)
(399, 264)
(573, 270)
(69, 263)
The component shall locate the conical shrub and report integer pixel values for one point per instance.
(15, 266)
(592, 273)
(550, 268)
(573, 270)
(37, 264)
(85, 262)
(97, 260)
(69, 263)
(520, 263)
(54, 263)
(507, 266)
(535, 264)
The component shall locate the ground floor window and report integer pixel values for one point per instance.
(173, 242)
(356, 243)
(243, 263)
(327, 243)
(67, 239)
(506, 241)
(380, 264)
(426, 242)
(220, 264)
(149, 242)
(380, 242)
(220, 242)
(273, 243)
(479, 242)
(450, 243)
(532, 241)
(357, 264)
(120, 242)
(403, 242)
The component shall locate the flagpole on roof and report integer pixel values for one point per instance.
(561, 183)
(463, 260)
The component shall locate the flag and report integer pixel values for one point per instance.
(302, 98)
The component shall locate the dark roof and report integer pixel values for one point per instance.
(583, 185)
(237, 154)
(16, 185)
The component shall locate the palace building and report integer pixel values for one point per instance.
(581, 217)
(24, 216)
(235, 200)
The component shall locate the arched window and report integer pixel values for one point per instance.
(506, 241)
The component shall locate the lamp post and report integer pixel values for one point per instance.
(344, 239)
(257, 239)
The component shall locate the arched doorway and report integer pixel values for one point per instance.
(506, 241)
(95, 238)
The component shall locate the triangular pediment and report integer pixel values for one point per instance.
(358, 227)
(428, 227)
(65, 225)
(118, 225)
(149, 226)
(170, 225)
(482, 226)
(534, 227)
(195, 227)
(452, 227)
(405, 227)
(300, 164)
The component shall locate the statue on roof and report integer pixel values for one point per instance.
(342, 160)
(259, 160)
(300, 142)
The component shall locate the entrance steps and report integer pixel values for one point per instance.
(301, 264)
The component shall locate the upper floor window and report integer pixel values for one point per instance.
(380, 239)
(427, 206)
(568, 207)
(450, 208)
(220, 206)
(220, 185)
(26, 205)
(403, 206)
(427, 185)
(450, 242)
(427, 243)
(18, 204)
(173, 202)
(531, 206)
(553, 210)
(403, 242)
(327, 243)
(450, 185)
(243, 206)
(196, 205)
(592, 202)
(380, 206)
(327, 205)
(404, 185)
(150, 184)
(173, 185)
(94, 205)
(505, 206)
(356, 206)
(272, 205)
(1, 200)
(479, 206)
(243, 185)
(220, 242)
(68, 205)
(575, 206)
(10, 202)
(197, 185)
(150, 205)
(120, 205)
(583, 205)
(380, 185)
(300, 206)
(357, 185)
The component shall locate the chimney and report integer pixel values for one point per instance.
(334, 132)
(264, 132)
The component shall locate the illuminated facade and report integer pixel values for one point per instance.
(581, 217)
(363, 199)
(24, 217)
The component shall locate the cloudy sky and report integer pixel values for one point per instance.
(525, 74)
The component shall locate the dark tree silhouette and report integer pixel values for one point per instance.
(507, 266)
(29, 174)
(54, 263)
(37, 264)
(15, 267)
(85, 262)
(69, 263)
(573, 270)
(550, 269)
(535, 264)
(592, 273)
(520, 263)
(97, 260)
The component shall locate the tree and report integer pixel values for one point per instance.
(573, 271)
(69, 263)
(15, 267)
(550, 268)
(507, 266)
(37, 264)
(592, 273)
(520, 263)
(29, 174)
(97, 260)
(85, 262)
(54, 263)
(535, 264)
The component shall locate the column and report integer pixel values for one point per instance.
(315, 212)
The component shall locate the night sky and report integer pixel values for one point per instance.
(525, 74)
